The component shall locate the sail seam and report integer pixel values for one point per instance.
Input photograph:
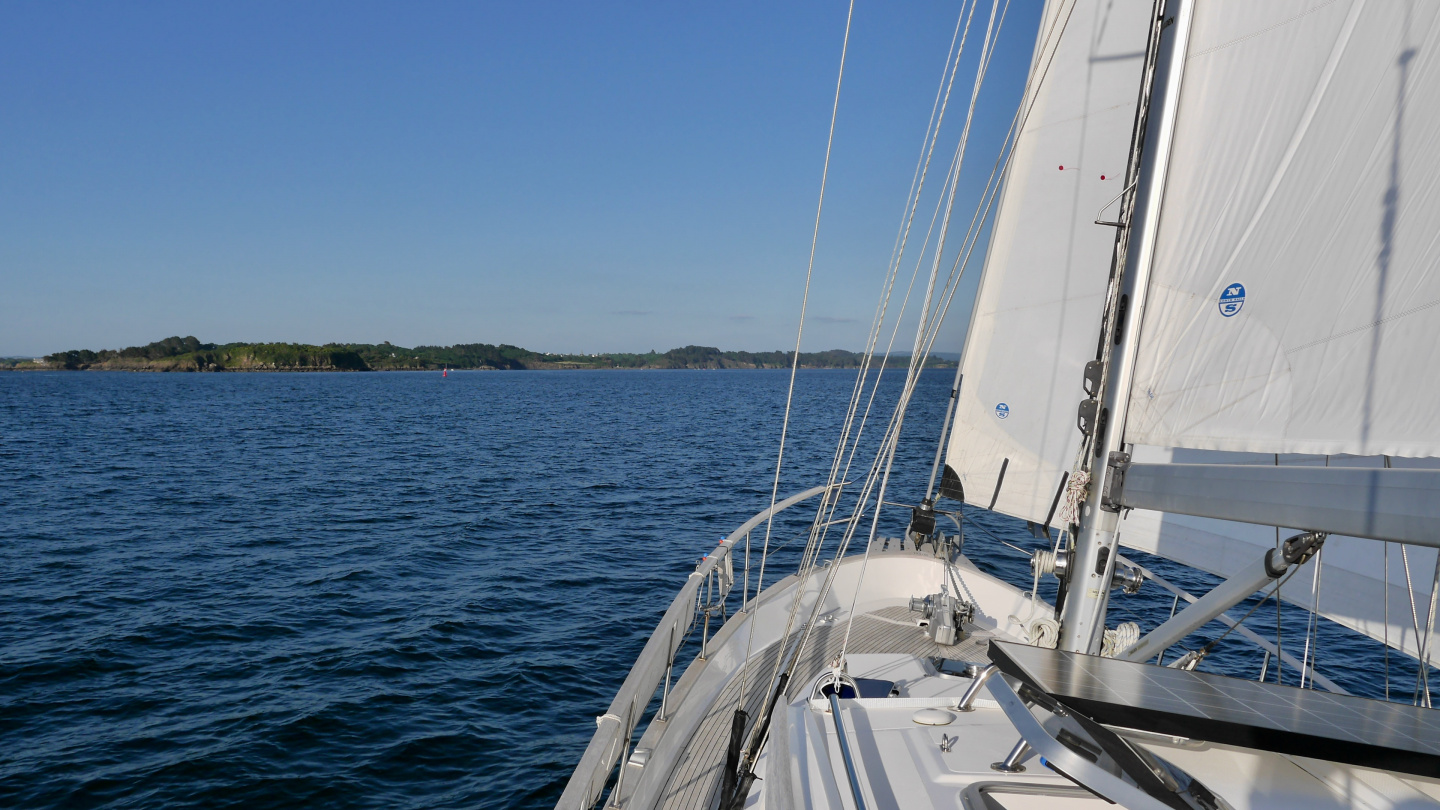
(1366, 327)
(1261, 32)
(1302, 130)
(1073, 118)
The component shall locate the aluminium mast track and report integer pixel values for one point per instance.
(1082, 618)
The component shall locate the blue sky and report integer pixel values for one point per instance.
(578, 177)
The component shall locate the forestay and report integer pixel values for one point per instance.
(1294, 306)
(1037, 314)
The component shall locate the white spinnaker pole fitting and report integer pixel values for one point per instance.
(1082, 619)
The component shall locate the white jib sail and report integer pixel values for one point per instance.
(1036, 319)
(1295, 305)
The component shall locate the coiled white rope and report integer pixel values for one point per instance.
(1075, 491)
(1122, 638)
(1043, 632)
(1040, 631)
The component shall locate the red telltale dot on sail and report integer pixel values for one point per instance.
(1102, 177)
(1062, 168)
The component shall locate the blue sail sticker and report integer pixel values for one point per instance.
(1002, 410)
(1232, 299)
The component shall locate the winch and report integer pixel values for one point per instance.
(946, 615)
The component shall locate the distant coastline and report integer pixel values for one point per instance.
(189, 354)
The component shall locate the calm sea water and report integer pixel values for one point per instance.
(387, 590)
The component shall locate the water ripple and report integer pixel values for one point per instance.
(368, 590)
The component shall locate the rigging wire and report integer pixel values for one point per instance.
(983, 209)
(888, 444)
(1057, 29)
(952, 65)
(823, 521)
(1414, 613)
(913, 374)
(1279, 650)
(1315, 621)
(1309, 628)
(972, 238)
(1422, 676)
(1386, 597)
(825, 514)
(1210, 645)
(800, 331)
(992, 536)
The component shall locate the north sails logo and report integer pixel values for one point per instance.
(1232, 299)
(1002, 410)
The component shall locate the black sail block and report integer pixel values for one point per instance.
(922, 519)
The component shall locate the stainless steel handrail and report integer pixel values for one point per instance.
(967, 702)
(617, 725)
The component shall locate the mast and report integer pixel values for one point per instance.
(1082, 618)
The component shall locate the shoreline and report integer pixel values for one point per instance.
(312, 370)
(190, 354)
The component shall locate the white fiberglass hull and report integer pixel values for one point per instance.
(898, 761)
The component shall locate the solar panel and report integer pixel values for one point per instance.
(1231, 711)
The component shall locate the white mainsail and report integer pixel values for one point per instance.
(1293, 304)
(1037, 314)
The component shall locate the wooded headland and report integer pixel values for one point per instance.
(189, 354)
